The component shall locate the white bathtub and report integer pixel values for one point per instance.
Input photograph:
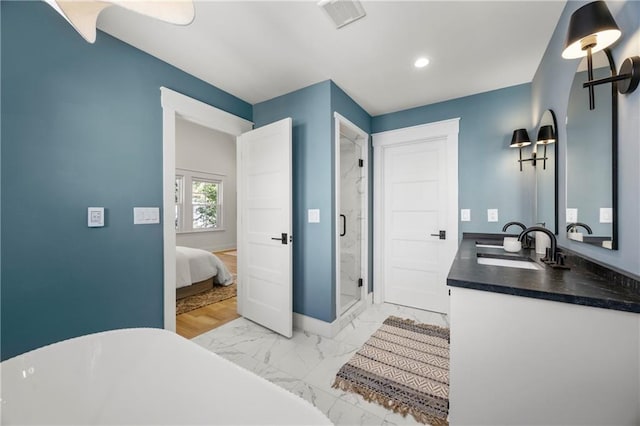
(141, 376)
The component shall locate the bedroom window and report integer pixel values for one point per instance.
(204, 203)
(198, 202)
(179, 201)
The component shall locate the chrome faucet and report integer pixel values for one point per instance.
(572, 227)
(553, 258)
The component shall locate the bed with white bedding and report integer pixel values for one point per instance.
(198, 270)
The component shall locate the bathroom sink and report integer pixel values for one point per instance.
(509, 263)
(489, 244)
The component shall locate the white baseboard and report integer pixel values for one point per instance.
(330, 329)
(213, 249)
(313, 325)
(224, 248)
(210, 248)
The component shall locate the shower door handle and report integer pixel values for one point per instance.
(344, 225)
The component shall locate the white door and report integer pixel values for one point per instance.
(265, 291)
(418, 196)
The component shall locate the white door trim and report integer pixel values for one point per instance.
(364, 265)
(404, 136)
(176, 105)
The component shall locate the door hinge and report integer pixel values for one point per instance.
(360, 162)
(449, 292)
(360, 282)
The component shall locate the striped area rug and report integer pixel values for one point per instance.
(404, 367)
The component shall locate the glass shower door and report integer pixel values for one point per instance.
(350, 223)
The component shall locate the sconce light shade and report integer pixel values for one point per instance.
(591, 26)
(520, 138)
(546, 135)
(591, 29)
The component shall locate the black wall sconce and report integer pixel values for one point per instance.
(520, 139)
(546, 136)
(591, 29)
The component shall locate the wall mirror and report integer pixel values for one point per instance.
(592, 158)
(546, 172)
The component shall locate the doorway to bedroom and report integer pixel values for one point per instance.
(205, 217)
(207, 310)
(199, 227)
(264, 200)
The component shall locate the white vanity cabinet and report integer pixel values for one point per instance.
(524, 361)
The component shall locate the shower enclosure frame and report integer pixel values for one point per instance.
(342, 122)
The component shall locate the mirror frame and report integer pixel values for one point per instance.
(555, 165)
(614, 153)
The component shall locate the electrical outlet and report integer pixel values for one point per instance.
(313, 215)
(465, 215)
(492, 215)
(572, 215)
(606, 215)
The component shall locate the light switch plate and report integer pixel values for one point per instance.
(95, 217)
(146, 215)
(492, 215)
(465, 215)
(572, 215)
(313, 215)
(606, 215)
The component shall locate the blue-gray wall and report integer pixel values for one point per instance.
(550, 89)
(313, 250)
(349, 109)
(81, 126)
(0, 177)
(488, 173)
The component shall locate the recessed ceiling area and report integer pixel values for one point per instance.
(260, 50)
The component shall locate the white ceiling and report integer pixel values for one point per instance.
(260, 50)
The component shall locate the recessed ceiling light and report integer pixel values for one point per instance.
(421, 62)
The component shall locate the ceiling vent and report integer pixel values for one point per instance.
(342, 12)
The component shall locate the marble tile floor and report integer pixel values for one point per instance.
(307, 364)
(346, 301)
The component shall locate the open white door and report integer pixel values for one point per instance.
(265, 292)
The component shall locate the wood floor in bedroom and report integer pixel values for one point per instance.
(193, 323)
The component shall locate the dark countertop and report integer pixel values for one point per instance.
(579, 285)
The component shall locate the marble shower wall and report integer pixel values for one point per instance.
(351, 193)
